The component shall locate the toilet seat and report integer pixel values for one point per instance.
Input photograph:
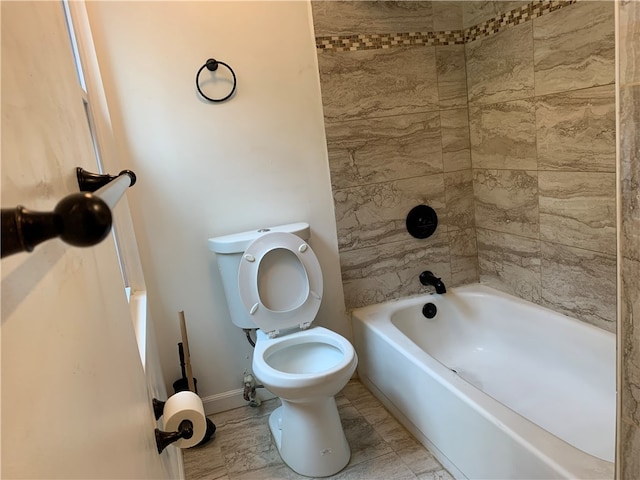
(280, 282)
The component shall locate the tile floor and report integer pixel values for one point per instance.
(381, 448)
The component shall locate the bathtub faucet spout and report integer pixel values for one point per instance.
(428, 278)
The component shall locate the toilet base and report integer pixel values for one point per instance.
(309, 436)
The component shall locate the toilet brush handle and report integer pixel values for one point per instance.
(187, 353)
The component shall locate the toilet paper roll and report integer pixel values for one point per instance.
(185, 406)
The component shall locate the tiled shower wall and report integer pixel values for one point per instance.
(397, 133)
(500, 115)
(629, 87)
(542, 123)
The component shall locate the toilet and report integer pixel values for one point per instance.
(273, 282)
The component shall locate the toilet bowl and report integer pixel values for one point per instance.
(306, 369)
(307, 363)
(278, 289)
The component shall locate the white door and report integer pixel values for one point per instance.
(74, 400)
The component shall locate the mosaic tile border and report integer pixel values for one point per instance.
(514, 17)
(352, 43)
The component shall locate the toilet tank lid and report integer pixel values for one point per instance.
(238, 242)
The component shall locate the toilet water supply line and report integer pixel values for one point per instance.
(249, 380)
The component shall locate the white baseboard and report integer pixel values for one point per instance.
(231, 399)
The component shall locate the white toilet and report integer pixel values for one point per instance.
(273, 281)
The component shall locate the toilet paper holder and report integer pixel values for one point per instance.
(164, 439)
(185, 429)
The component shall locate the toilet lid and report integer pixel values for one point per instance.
(280, 282)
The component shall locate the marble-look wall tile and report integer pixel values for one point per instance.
(630, 171)
(374, 83)
(503, 135)
(452, 77)
(370, 215)
(500, 67)
(456, 151)
(576, 130)
(574, 47)
(630, 454)
(480, 11)
(447, 16)
(391, 270)
(629, 180)
(464, 256)
(630, 331)
(383, 149)
(348, 17)
(580, 283)
(509, 263)
(629, 28)
(458, 187)
(507, 201)
(578, 209)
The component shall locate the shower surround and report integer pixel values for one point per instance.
(501, 116)
(534, 180)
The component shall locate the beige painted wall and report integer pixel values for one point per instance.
(206, 169)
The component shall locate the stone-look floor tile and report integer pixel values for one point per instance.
(373, 411)
(342, 401)
(395, 435)
(509, 263)
(273, 472)
(388, 466)
(447, 16)
(387, 271)
(372, 215)
(574, 47)
(507, 201)
(458, 189)
(576, 130)
(418, 459)
(436, 475)
(364, 441)
(464, 256)
(347, 17)
(579, 283)
(629, 171)
(384, 149)
(252, 458)
(452, 78)
(365, 84)
(226, 457)
(578, 209)
(355, 390)
(503, 135)
(630, 454)
(495, 78)
(630, 334)
(629, 28)
(205, 462)
(456, 149)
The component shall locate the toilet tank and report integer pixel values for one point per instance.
(229, 250)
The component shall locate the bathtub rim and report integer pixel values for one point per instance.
(567, 459)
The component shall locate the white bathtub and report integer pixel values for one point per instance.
(494, 386)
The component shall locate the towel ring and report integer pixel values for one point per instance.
(212, 66)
